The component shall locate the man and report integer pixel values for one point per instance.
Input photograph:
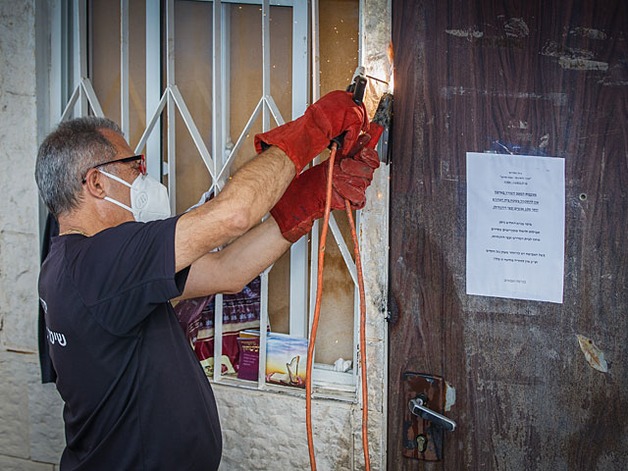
(135, 396)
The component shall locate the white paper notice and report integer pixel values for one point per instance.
(515, 226)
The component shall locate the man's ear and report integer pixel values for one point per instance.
(94, 181)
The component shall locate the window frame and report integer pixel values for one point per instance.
(72, 94)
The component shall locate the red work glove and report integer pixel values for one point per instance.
(307, 136)
(304, 200)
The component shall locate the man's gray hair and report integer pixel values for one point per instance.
(65, 157)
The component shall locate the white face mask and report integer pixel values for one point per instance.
(149, 198)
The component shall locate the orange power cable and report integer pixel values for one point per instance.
(316, 317)
(362, 349)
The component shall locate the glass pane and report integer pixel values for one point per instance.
(245, 70)
(281, 90)
(137, 70)
(245, 85)
(338, 36)
(193, 76)
(104, 62)
(105, 55)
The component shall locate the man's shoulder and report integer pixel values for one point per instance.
(130, 228)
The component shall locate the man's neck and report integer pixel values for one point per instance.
(70, 225)
(79, 222)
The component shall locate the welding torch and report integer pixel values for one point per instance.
(380, 123)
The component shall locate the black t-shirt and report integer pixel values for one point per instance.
(136, 397)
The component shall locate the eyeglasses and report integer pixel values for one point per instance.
(134, 158)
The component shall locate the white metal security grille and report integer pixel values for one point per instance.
(72, 94)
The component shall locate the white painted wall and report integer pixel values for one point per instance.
(261, 430)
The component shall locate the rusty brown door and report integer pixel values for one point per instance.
(537, 77)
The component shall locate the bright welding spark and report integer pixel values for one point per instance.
(390, 53)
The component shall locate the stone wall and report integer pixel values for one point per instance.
(31, 430)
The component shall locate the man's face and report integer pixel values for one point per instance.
(128, 171)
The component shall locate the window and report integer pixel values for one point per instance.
(191, 83)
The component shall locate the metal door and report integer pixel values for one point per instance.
(538, 78)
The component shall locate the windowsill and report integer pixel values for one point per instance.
(328, 385)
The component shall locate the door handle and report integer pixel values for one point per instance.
(424, 425)
(418, 407)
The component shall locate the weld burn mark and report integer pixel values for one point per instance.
(573, 58)
(589, 33)
(559, 99)
(582, 64)
(470, 33)
(516, 28)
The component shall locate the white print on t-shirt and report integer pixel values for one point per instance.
(56, 337)
(53, 337)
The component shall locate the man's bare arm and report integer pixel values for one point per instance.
(248, 196)
(230, 269)
(258, 185)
